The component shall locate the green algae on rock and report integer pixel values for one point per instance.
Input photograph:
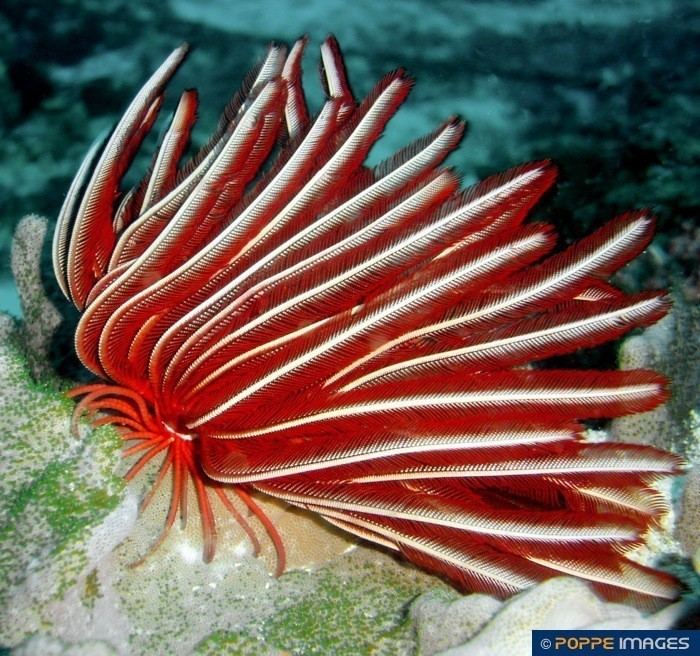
(358, 606)
(55, 493)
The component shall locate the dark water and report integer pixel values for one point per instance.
(608, 89)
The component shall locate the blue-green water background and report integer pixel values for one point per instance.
(608, 89)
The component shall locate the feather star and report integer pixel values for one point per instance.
(274, 316)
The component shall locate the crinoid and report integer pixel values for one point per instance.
(273, 315)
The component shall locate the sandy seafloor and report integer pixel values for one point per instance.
(608, 89)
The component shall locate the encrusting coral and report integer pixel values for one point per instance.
(555, 604)
(672, 346)
(41, 318)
